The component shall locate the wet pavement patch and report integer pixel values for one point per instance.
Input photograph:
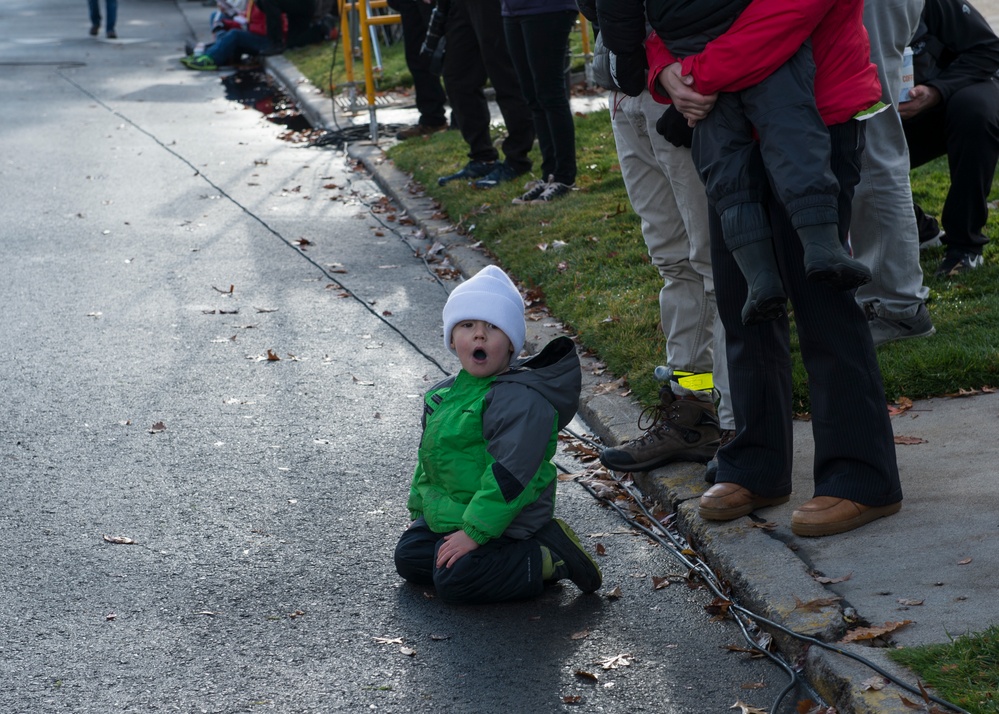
(255, 89)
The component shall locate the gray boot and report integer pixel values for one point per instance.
(765, 298)
(826, 260)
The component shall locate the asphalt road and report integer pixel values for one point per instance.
(158, 242)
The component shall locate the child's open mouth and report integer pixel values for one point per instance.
(479, 354)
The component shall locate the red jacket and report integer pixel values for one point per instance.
(765, 36)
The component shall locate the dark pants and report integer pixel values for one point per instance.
(965, 128)
(793, 151)
(539, 49)
(476, 52)
(854, 445)
(502, 569)
(414, 16)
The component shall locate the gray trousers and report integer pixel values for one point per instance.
(667, 194)
(884, 233)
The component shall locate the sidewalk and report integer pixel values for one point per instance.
(932, 564)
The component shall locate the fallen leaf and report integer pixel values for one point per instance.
(110, 616)
(601, 550)
(581, 635)
(586, 675)
(746, 709)
(615, 593)
(388, 640)
(816, 604)
(660, 583)
(438, 638)
(615, 661)
(876, 683)
(908, 440)
(768, 526)
(902, 405)
(572, 699)
(157, 428)
(753, 685)
(829, 581)
(362, 382)
(296, 614)
(272, 356)
(408, 651)
(908, 602)
(118, 540)
(869, 633)
(964, 561)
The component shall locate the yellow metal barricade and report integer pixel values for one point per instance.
(366, 21)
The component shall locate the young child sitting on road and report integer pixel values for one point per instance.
(482, 498)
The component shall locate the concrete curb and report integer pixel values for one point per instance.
(763, 571)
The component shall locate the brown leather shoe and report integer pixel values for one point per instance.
(726, 501)
(828, 515)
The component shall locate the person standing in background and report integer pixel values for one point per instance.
(95, 17)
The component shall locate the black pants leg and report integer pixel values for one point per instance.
(966, 129)
(430, 98)
(854, 444)
(502, 569)
(478, 27)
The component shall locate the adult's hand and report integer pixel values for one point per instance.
(921, 98)
(688, 101)
(455, 546)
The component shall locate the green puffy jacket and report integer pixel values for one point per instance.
(485, 457)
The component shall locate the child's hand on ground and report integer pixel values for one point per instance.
(455, 546)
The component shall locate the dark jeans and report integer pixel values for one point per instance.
(430, 98)
(230, 45)
(95, 13)
(854, 445)
(502, 569)
(965, 128)
(476, 52)
(793, 152)
(539, 49)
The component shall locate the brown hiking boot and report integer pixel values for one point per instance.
(681, 429)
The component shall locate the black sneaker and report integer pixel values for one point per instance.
(532, 189)
(956, 262)
(929, 229)
(471, 170)
(553, 190)
(682, 429)
(569, 556)
(502, 171)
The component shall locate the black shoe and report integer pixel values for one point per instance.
(472, 170)
(501, 172)
(826, 260)
(929, 229)
(957, 262)
(569, 557)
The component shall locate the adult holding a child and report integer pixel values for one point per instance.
(855, 472)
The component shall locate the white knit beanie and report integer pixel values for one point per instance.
(489, 296)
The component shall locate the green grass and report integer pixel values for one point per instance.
(601, 284)
(964, 672)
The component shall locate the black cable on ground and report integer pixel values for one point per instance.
(676, 547)
(259, 220)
